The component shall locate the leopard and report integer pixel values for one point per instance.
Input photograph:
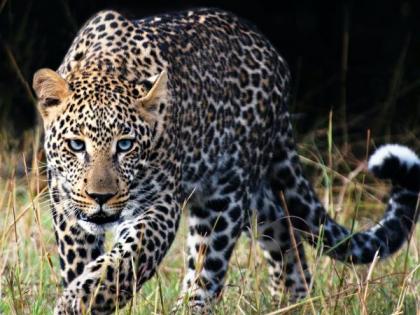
(189, 109)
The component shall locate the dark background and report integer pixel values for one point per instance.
(360, 59)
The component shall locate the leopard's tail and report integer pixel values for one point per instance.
(394, 162)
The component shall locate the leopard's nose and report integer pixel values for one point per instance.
(100, 198)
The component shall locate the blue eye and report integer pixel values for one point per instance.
(76, 145)
(124, 145)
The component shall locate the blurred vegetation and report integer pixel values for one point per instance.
(359, 59)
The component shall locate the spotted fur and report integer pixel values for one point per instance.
(200, 98)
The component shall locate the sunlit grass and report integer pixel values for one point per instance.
(29, 267)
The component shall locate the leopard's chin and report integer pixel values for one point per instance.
(99, 222)
(97, 229)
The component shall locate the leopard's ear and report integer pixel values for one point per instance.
(149, 103)
(51, 90)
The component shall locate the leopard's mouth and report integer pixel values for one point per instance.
(100, 218)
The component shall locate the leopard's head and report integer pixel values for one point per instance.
(99, 131)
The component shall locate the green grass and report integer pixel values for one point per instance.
(29, 267)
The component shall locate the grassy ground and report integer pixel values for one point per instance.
(29, 267)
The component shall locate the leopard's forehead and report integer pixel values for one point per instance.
(98, 122)
(100, 106)
(104, 87)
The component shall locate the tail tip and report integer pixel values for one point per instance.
(395, 162)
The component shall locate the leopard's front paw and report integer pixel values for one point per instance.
(68, 305)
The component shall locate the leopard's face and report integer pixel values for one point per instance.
(98, 136)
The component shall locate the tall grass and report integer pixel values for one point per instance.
(29, 269)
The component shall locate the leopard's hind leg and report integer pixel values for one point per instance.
(284, 252)
(215, 223)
